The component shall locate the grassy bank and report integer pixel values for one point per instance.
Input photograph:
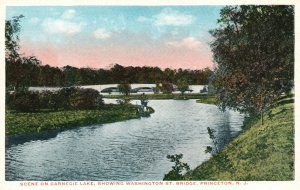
(207, 100)
(26, 123)
(259, 153)
(159, 96)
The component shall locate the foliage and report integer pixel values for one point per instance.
(66, 98)
(27, 101)
(209, 149)
(12, 29)
(177, 171)
(85, 99)
(17, 123)
(182, 85)
(260, 153)
(124, 88)
(167, 87)
(21, 71)
(254, 50)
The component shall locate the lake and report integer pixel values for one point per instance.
(125, 151)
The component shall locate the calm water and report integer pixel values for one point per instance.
(124, 151)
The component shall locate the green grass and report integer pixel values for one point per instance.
(207, 100)
(259, 153)
(26, 123)
(159, 96)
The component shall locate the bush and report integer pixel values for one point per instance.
(63, 96)
(86, 99)
(124, 88)
(9, 100)
(26, 101)
(66, 98)
(45, 98)
(177, 171)
(167, 88)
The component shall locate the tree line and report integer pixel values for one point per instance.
(22, 71)
(32, 73)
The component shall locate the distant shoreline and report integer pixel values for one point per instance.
(162, 96)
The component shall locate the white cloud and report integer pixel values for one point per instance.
(34, 20)
(191, 42)
(172, 18)
(57, 26)
(68, 14)
(144, 19)
(188, 42)
(102, 34)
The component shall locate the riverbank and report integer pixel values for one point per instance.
(259, 153)
(18, 123)
(160, 96)
(207, 100)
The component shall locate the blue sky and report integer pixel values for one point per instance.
(108, 33)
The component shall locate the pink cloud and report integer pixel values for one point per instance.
(191, 56)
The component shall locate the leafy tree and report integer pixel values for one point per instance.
(254, 50)
(86, 99)
(12, 30)
(182, 85)
(166, 87)
(21, 71)
(124, 88)
(50, 76)
(26, 101)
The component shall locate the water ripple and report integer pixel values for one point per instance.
(124, 151)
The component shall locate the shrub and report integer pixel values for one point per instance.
(85, 99)
(167, 88)
(209, 149)
(26, 101)
(64, 95)
(124, 88)
(9, 100)
(66, 98)
(177, 170)
(45, 99)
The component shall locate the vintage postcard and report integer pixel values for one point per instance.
(120, 95)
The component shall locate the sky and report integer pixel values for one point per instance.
(100, 36)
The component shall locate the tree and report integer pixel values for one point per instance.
(166, 87)
(12, 57)
(21, 71)
(254, 50)
(124, 88)
(182, 85)
(86, 99)
(12, 30)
